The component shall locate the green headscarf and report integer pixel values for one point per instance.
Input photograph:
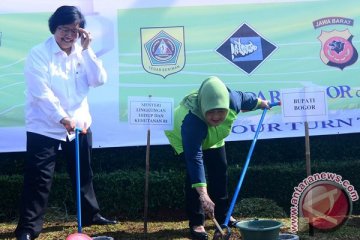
(212, 94)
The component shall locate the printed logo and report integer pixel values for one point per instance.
(246, 49)
(162, 50)
(337, 49)
(326, 205)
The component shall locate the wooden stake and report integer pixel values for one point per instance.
(308, 166)
(147, 169)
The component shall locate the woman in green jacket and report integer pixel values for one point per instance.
(201, 123)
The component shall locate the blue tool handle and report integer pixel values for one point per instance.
(273, 104)
(78, 197)
(238, 187)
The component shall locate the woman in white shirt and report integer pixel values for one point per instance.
(58, 75)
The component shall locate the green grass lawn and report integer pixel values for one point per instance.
(177, 229)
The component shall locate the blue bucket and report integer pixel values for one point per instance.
(288, 236)
(259, 229)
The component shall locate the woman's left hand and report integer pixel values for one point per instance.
(264, 104)
(85, 38)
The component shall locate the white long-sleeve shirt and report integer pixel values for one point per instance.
(57, 85)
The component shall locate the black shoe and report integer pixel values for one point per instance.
(100, 220)
(233, 223)
(198, 235)
(25, 236)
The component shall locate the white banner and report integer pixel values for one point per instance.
(167, 48)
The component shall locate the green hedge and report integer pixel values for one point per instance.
(121, 193)
(340, 148)
(276, 167)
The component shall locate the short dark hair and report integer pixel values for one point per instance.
(66, 15)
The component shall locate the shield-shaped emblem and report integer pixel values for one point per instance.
(163, 50)
(337, 49)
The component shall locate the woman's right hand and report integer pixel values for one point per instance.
(206, 203)
(69, 124)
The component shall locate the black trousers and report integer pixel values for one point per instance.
(38, 175)
(217, 180)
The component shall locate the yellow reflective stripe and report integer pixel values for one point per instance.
(258, 104)
(198, 185)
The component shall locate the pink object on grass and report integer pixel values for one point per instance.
(78, 236)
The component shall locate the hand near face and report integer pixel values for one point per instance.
(85, 38)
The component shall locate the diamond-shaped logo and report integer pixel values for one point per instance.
(246, 49)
